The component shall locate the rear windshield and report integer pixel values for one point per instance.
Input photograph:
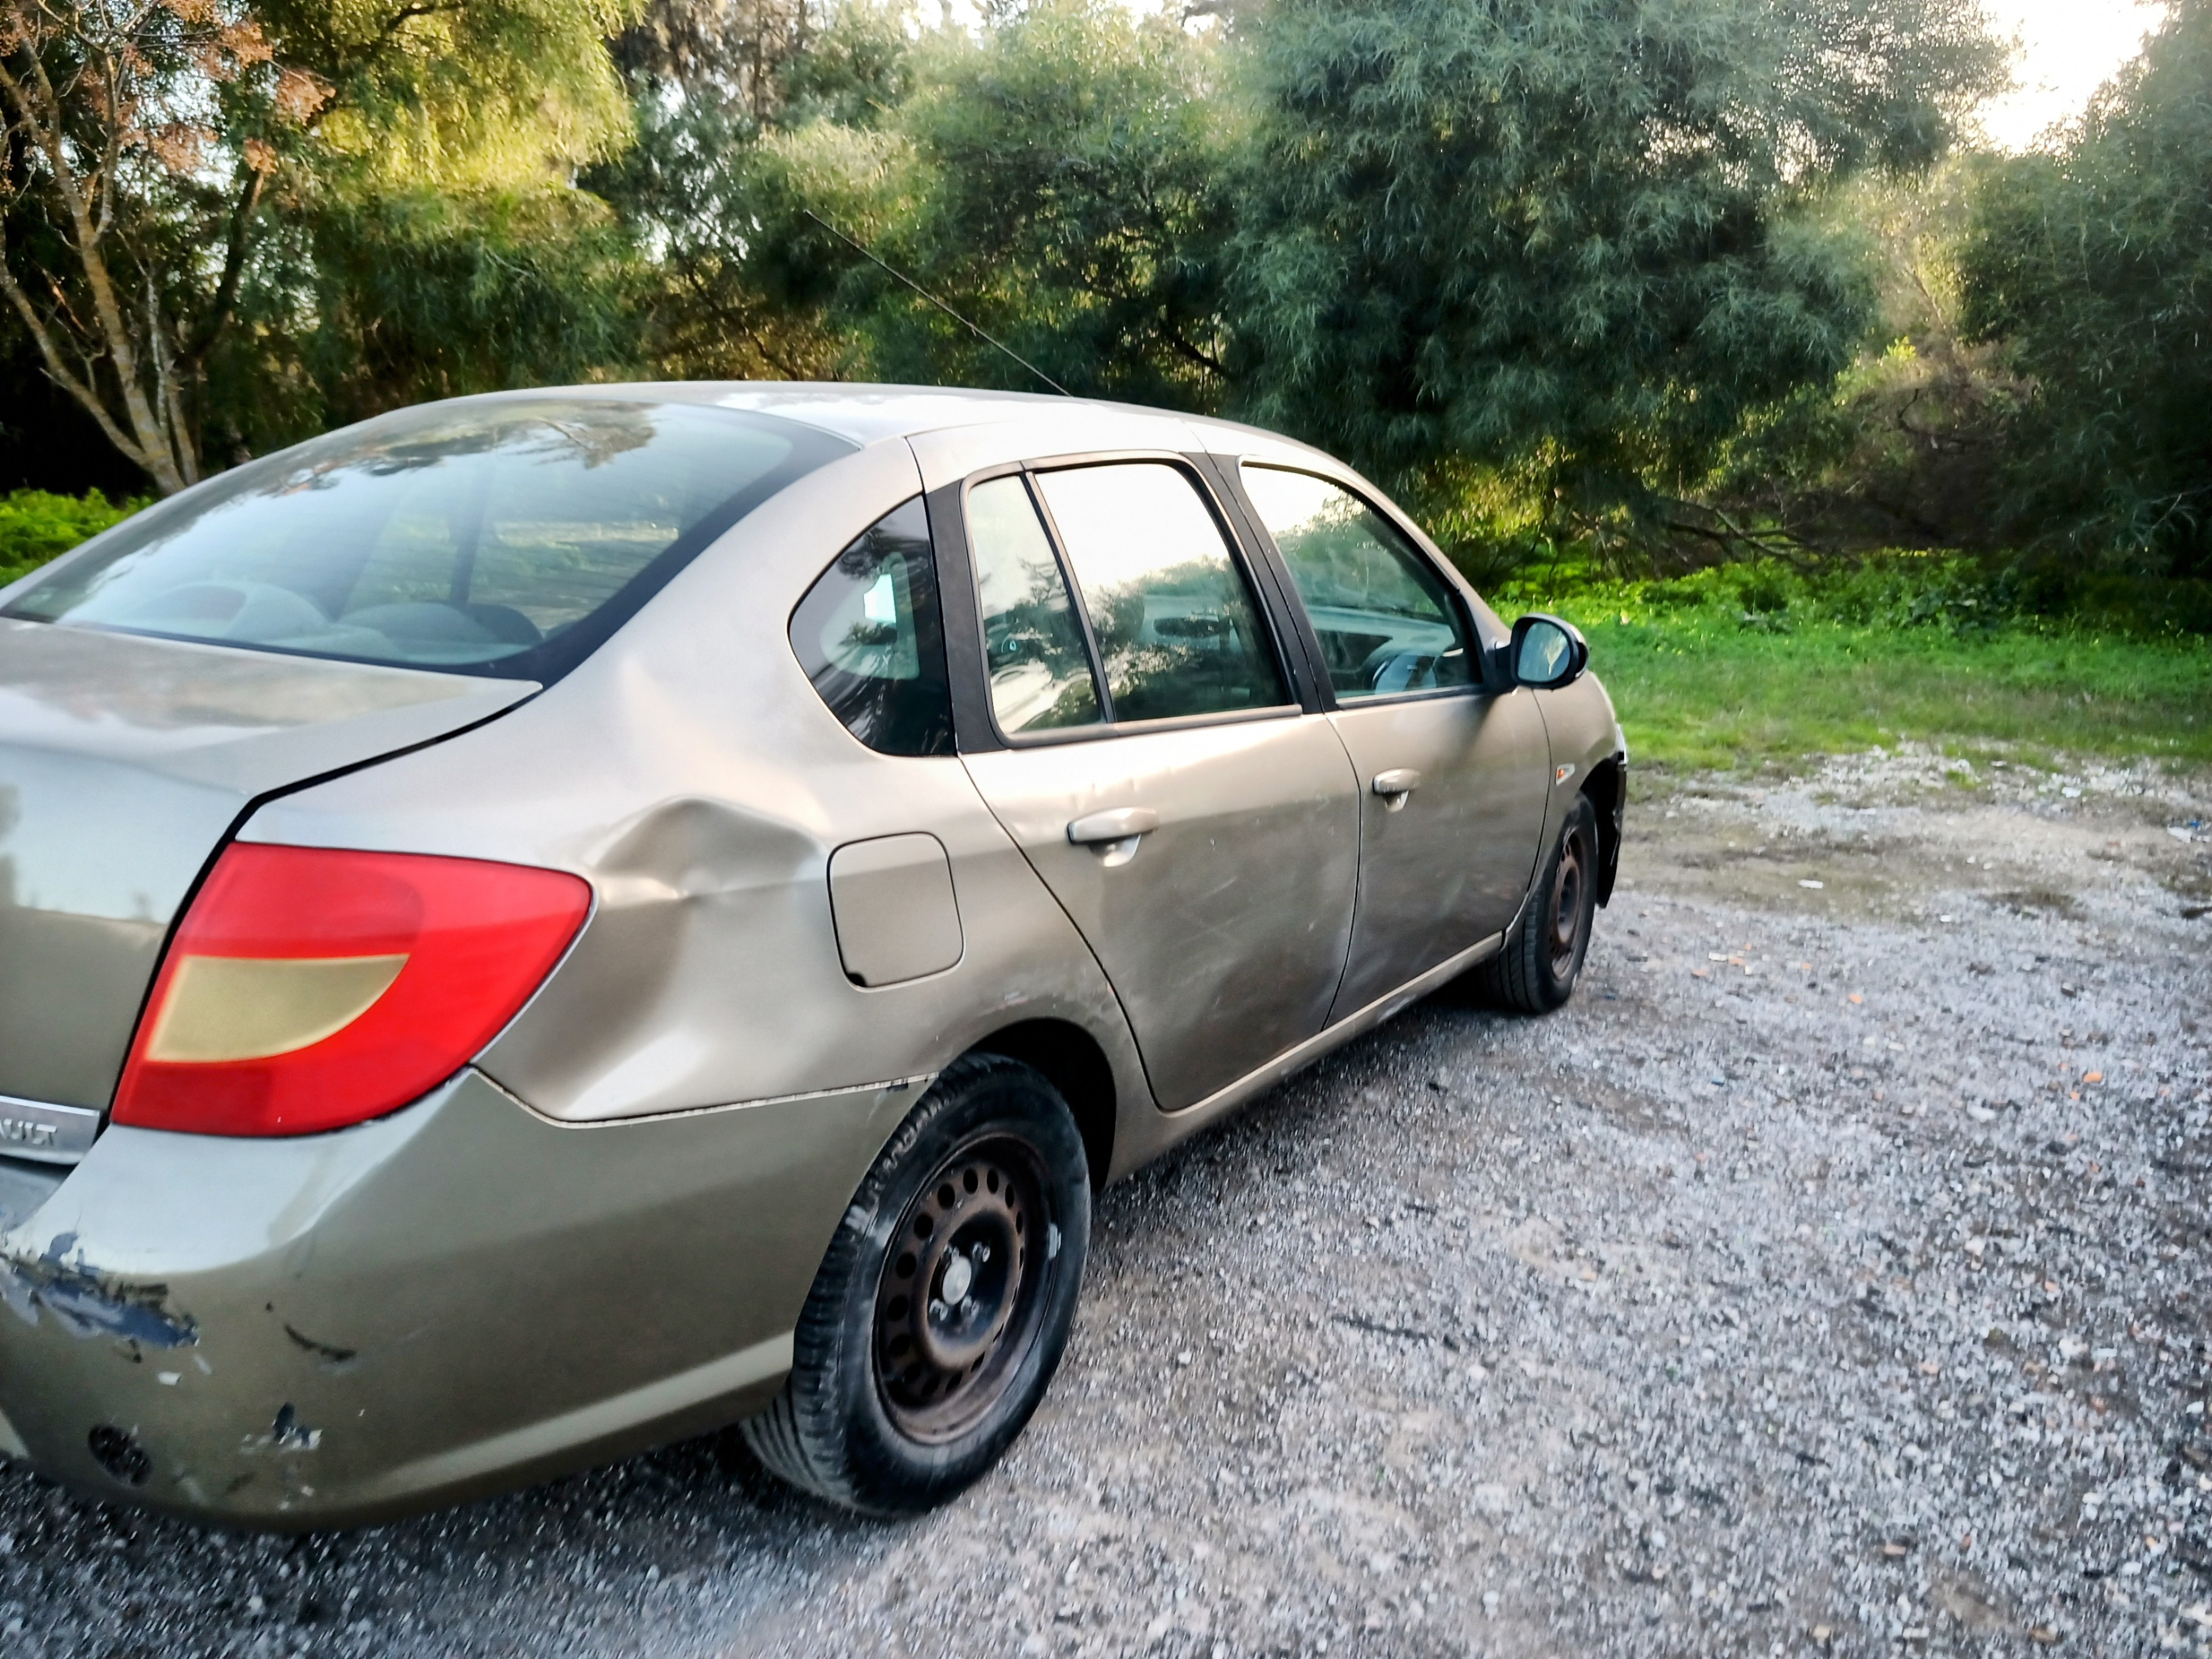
(504, 537)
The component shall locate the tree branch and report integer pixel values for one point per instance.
(58, 372)
(398, 20)
(233, 265)
(45, 114)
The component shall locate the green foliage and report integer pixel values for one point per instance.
(1071, 186)
(429, 242)
(1570, 237)
(1742, 665)
(36, 526)
(1903, 447)
(262, 165)
(745, 118)
(2093, 266)
(1650, 283)
(471, 96)
(426, 294)
(1948, 593)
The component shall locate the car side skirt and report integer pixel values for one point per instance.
(1166, 1129)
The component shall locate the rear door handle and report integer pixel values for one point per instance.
(1122, 824)
(1395, 785)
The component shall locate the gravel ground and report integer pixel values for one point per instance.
(1830, 1277)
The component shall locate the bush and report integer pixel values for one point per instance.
(36, 526)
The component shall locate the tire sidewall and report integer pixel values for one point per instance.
(889, 1472)
(1554, 988)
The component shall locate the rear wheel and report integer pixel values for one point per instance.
(1543, 955)
(941, 1309)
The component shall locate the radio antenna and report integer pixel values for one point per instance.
(868, 254)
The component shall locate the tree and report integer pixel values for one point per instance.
(2093, 266)
(1060, 178)
(104, 167)
(1075, 183)
(166, 162)
(1570, 237)
(735, 287)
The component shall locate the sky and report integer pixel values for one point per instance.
(2069, 49)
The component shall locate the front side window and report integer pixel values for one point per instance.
(1178, 633)
(1040, 668)
(504, 537)
(871, 637)
(1387, 622)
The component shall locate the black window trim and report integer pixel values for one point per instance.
(973, 715)
(1309, 670)
(1483, 682)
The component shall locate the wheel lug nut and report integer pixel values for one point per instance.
(981, 1253)
(938, 1309)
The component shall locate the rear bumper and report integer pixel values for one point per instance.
(459, 1297)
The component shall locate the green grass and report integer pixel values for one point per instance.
(1702, 697)
(1704, 680)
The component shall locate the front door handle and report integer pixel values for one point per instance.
(1115, 835)
(1396, 786)
(1120, 824)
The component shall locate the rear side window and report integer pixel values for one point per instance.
(870, 635)
(1177, 631)
(503, 536)
(1387, 622)
(1039, 669)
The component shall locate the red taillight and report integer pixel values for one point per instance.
(311, 987)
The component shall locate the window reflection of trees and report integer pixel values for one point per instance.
(1180, 639)
(1034, 648)
(884, 675)
(1344, 557)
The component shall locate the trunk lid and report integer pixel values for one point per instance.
(124, 763)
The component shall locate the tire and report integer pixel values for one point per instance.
(1535, 973)
(917, 1358)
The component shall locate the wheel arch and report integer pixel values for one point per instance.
(1607, 788)
(1074, 1063)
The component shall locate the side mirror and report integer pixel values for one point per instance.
(1547, 653)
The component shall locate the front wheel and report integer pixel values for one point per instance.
(1543, 955)
(941, 1309)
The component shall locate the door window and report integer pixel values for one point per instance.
(1387, 622)
(1039, 669)
(869, 636)
(1176, 629)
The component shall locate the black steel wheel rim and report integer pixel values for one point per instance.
(1567, 884)
(962, 1289)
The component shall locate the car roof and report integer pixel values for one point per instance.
(865, 414)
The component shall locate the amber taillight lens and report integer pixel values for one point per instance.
(312, 987)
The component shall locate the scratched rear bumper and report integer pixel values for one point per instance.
(459, 1297)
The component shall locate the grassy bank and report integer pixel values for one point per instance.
(1738, 667)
